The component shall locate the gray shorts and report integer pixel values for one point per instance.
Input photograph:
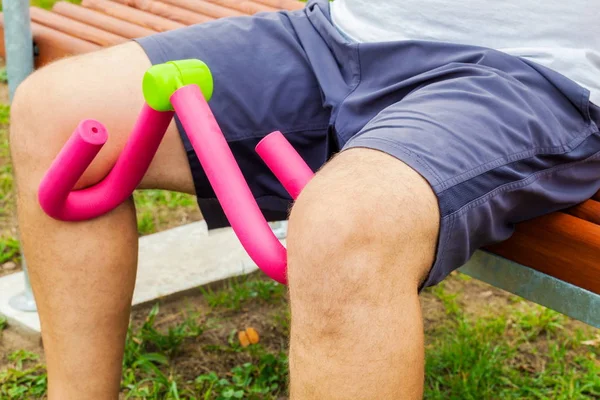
(500, 139)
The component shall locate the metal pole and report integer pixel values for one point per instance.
(24, 301)
(18, 43)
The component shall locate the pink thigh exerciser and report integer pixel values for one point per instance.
(184, 87)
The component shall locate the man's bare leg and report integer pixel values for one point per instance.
(356, 255)
(83, 273)
(362, 236)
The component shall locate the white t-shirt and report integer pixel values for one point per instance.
(559, 34)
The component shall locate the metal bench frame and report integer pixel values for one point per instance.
(18, 42)
(535, 286)
(523, 281)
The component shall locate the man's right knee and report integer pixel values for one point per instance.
(50, 103)
(39, 127)
(34, 137)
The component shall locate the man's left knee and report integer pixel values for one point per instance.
(365, 216)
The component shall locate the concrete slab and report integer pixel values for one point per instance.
(10, 286)
(186, 257)
(170, 262)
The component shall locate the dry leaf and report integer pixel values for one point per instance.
(8, 266)
(252, 335)
(243, 338)
(593, 342)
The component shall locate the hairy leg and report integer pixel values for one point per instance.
(362, 237)
(83, 273)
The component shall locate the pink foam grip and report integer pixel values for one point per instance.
(56, 195)
(228, 182)
(287, 165)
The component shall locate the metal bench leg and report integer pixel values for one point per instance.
(24, 301)
(18, 42)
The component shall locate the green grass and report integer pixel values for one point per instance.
(147, 372)
(263, 379)
(147, 353)
(155, 208)
(3, 323)
(9, 246)
(239, 291)
(542, 321)
(282, 321)
(4, 112)
(6, 185)
(489, 357)
(527, 354)
(148, 337)
(25, 378)
(9, 250)
(6, 173)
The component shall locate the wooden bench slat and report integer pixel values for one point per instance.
(168, 11)
(559, 245)
(132, 15)
(53, 44)
(247, 7)
(206, 8)
(588, 211)
(283, 4)
(57, 44)
(102, 21)
(74, 28)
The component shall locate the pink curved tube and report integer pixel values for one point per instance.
(287, 165)
(58, 199)
(56, 194)
(228, 182)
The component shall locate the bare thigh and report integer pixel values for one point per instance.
(106, 86)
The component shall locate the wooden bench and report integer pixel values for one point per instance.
(70, 29)
(552, 260)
